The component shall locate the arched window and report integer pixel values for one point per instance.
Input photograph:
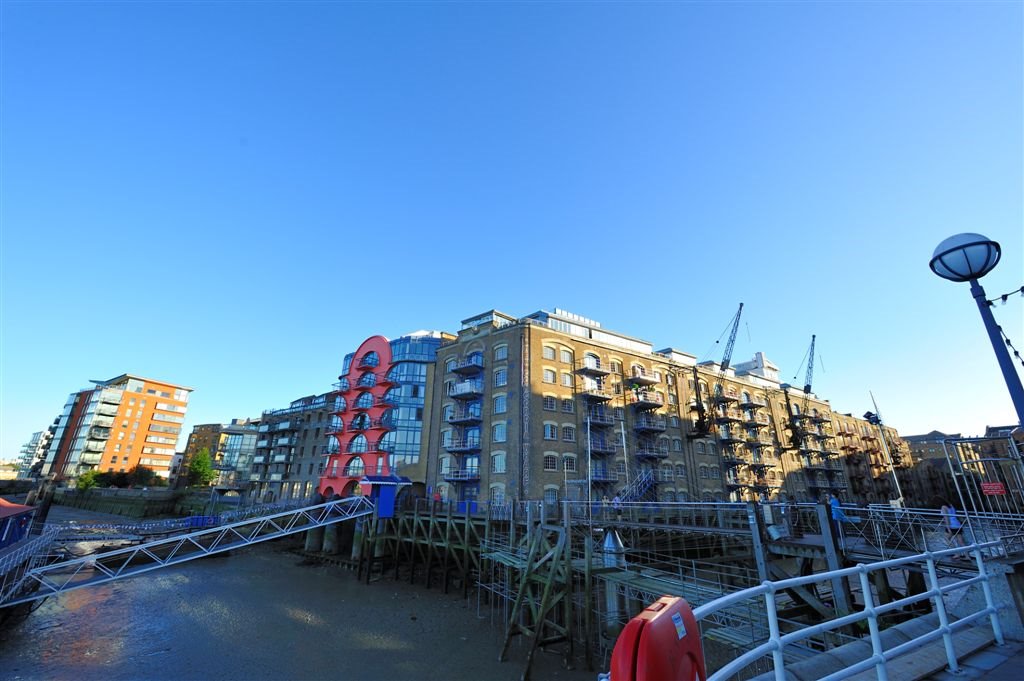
(446, 412)
(497, 493)
(498, 462)
(668, 497)
(746, 397)
(360, 422)
(358, 444)
(367, 380)
(680, 470)
(637, 370)
(450, 364)
(700, 448)
(677, 445)
(370, 359)
(712, 448)
(550, 462)
(340, 404)
(569, 463)
(387, 442)
(343, 384)
(355, 468)
(391, 396)
(591, 361)
(364, 401)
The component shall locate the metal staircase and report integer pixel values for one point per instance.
(638, 487)
(39, 581)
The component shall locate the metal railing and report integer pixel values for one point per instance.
(99, 568)
(16, 564)
(775, 645)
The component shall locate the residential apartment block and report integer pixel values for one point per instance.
(377, 412)
(231, 447)
(554, 406)
(290, 447)
(121, 423)
(33, 453)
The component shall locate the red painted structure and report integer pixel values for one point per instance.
(360, 407)
(660, 644)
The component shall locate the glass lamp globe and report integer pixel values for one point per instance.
(964, 257)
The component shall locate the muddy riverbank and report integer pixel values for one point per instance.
(262, 614)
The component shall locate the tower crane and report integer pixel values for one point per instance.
(798, 432)
(703, 424)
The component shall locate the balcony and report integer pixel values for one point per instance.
(649, 424)
(651, 451)
(277, 477)
(281, 458)
(733, 459)
(756, 442)
(463, 444)
(461, 475)
(728, 437)
(104, 421)
(728, 416)
(601, 417)
(596, 393)
(641, 377)
(264, 428)
(367, 380)
(369, 361)
(820, 418)
(254, 477)
(466, 390)
(94, 446)
(755, 420)
(259, 459)
(760, 464)
(469, 366)
(645, 399)
(98, 433)
(592, 367)
(465, 416)
(603, 475)
(734, 482)
(107, 410)
(726, 396)
(335, 426)
(600, 446)
(285, 441)
(752, 402)
(263, 443)
(110, 396)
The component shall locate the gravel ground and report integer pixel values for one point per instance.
(261, 614)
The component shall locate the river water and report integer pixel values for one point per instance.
(262, 614)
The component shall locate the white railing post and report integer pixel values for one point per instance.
(774, 635)
(876, 637)
(940, 609)
(997, 629)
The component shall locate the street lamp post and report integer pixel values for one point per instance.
(968, 257)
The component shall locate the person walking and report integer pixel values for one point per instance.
(837, 516)
(954, 534)
(617, 505)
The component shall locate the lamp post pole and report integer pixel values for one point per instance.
(1002, 354)
(967, 258)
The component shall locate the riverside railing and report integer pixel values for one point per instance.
(775, 645)
(17, 563)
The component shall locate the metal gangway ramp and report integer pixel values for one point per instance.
(41, 581)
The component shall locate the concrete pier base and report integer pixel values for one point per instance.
(314, 539)
(331, 539)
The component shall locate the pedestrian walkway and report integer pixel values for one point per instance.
(995, 663)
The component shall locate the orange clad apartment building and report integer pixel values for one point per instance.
(117, 425)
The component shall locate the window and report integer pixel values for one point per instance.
(498, 462)
(569, 463)
(446, 412)
(672, 398)
(567, 380)
(568, 406)
(677, 445)
(673, 421)
(569, 433)
(500, 378)
(703, 472)
(449, 364)
(616, 366)
(566, 356)
(497, 495)
(549, 353)
(499, 405)
(550, 403)
(716, 472)
(364, 401)
(620, 467)
(551, 495)
(680, 470)
(501, 352)
(550, 462)
(620, 413)
(550, 376)
(498, 432)
(550, 431)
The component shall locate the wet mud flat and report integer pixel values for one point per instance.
(262, 613)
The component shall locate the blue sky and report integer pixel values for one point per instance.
(232, 196)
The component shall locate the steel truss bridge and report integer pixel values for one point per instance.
(28, 576)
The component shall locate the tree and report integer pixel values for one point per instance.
(86, 481)
(141, 475)
(200, 469)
